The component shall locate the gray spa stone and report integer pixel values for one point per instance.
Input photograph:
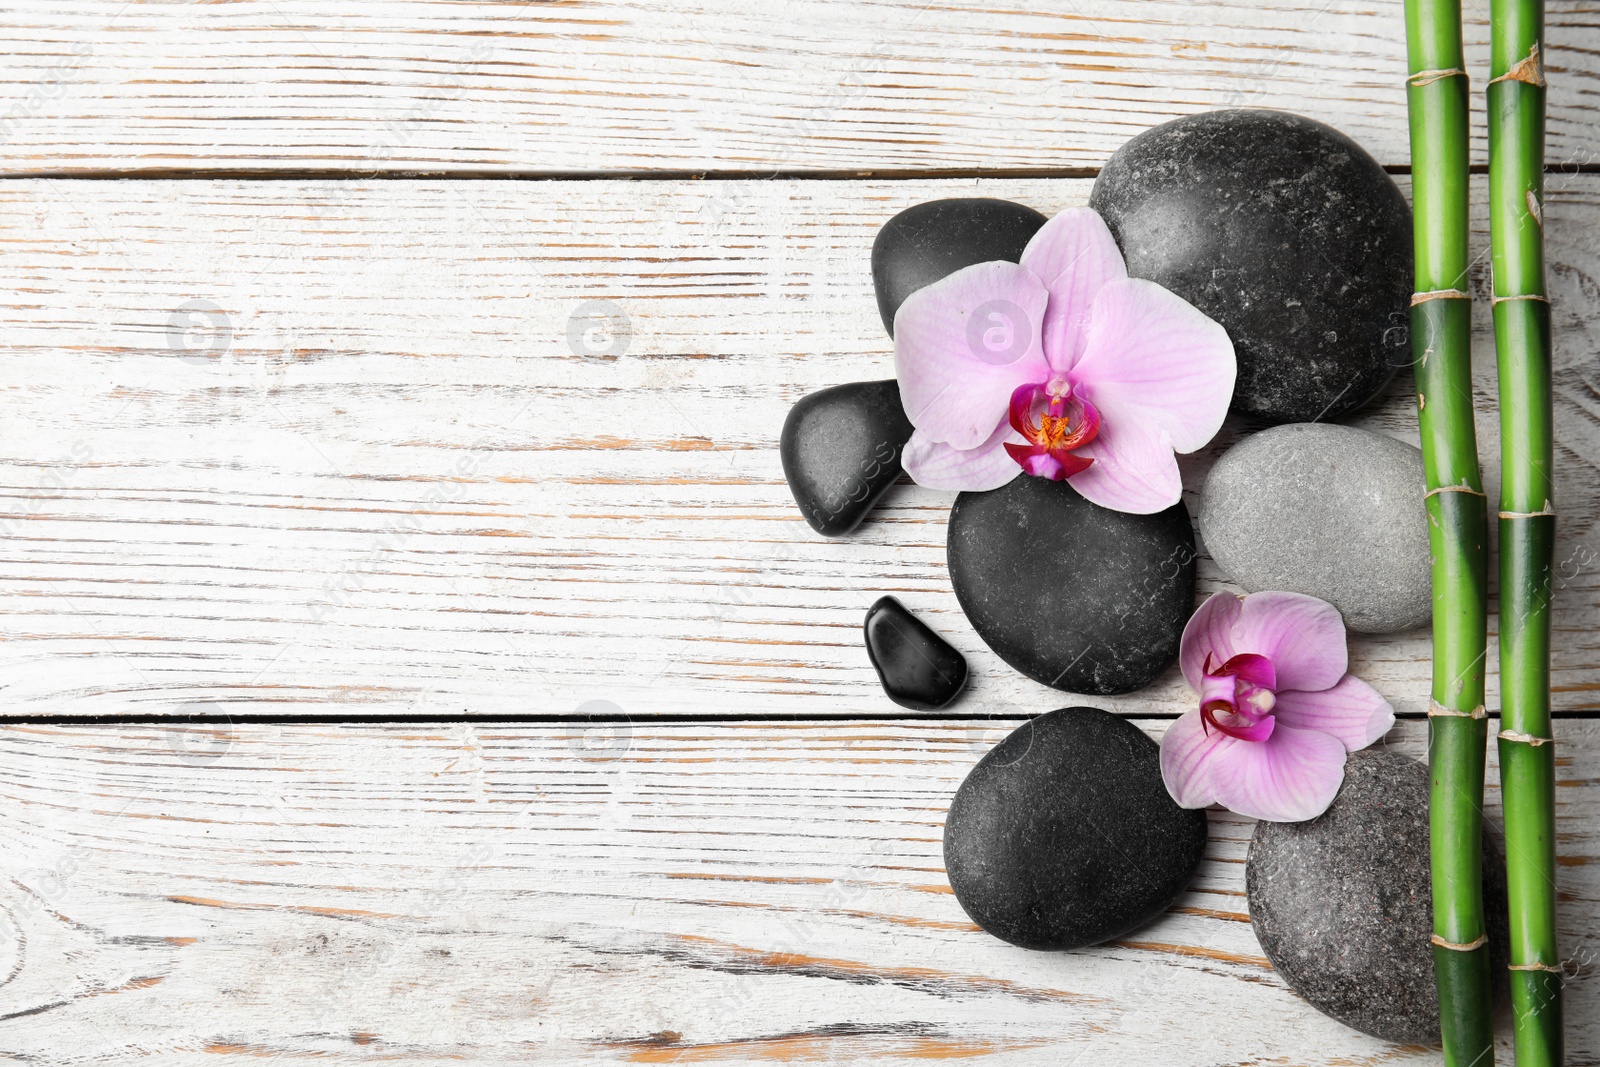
(1342, 904)
(1328, 510)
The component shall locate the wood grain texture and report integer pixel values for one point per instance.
(716, 893)
(724, 85)
(290, 448)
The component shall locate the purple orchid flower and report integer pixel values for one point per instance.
(1061, 366)
(1277, 709)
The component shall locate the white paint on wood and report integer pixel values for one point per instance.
(608, 86)
(719, 893)
(507, 448)
(398, 467)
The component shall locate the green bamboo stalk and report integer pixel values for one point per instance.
(1516, 101)
(1441, 327)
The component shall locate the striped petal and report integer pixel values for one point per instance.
(1152, 359)
(1074, 255)
(1352, 711)
(1188, 752)
(1301, 635)
(939, 466)
(1133, 468)
(1290, 777)
(962, 346)
(1209, 632)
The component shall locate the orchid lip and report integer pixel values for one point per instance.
(1056, 422)
(1237, 724)
(1237, 698)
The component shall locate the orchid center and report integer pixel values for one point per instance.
(1237, 696)
(1056, 422)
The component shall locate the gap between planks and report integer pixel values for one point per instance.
(710, 718)
(675, 893)
(931, 173)
(397, 489)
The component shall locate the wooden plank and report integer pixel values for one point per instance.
(721, 85)
(699, 894)
(295, 448)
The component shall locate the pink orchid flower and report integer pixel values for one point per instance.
(1277, 709)
(1061, 366)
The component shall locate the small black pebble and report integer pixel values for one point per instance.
(1064, 836)
(928, 241)
(841, 451)
(918, 668)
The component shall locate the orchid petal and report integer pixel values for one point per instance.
(938, 466)
(1074, 255)
(1290, 777)
(962, 346)
(1351, 711)
(1188, 752)
(1150, 358)
(1301, 635)
(1134, 469)
(1210, 630)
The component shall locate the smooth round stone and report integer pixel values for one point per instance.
(1287, 233)
(918, 669)
(1072, 594)
(1063, 835)
(1343, 906)
(928, 241)
(840, 450)
(1328, 510)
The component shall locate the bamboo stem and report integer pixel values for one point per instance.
(1437, 95)
(1516, 103)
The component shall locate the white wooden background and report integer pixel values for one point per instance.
(346, 445)
(562, 86)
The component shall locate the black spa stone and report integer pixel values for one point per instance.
(928, 241)
(1072, 594)
(918, 668)
(1063, 835)
(1342, 904)
(841, 451)
(1287, 233)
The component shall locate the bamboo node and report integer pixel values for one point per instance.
(1548, 968)
(1439, 294)
(1547, 513)
(1526, 739)
(1428, 77)
(1529, 70)
(1498, 300)
(1437, 710)
(1476, 943)
(1455, 489)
